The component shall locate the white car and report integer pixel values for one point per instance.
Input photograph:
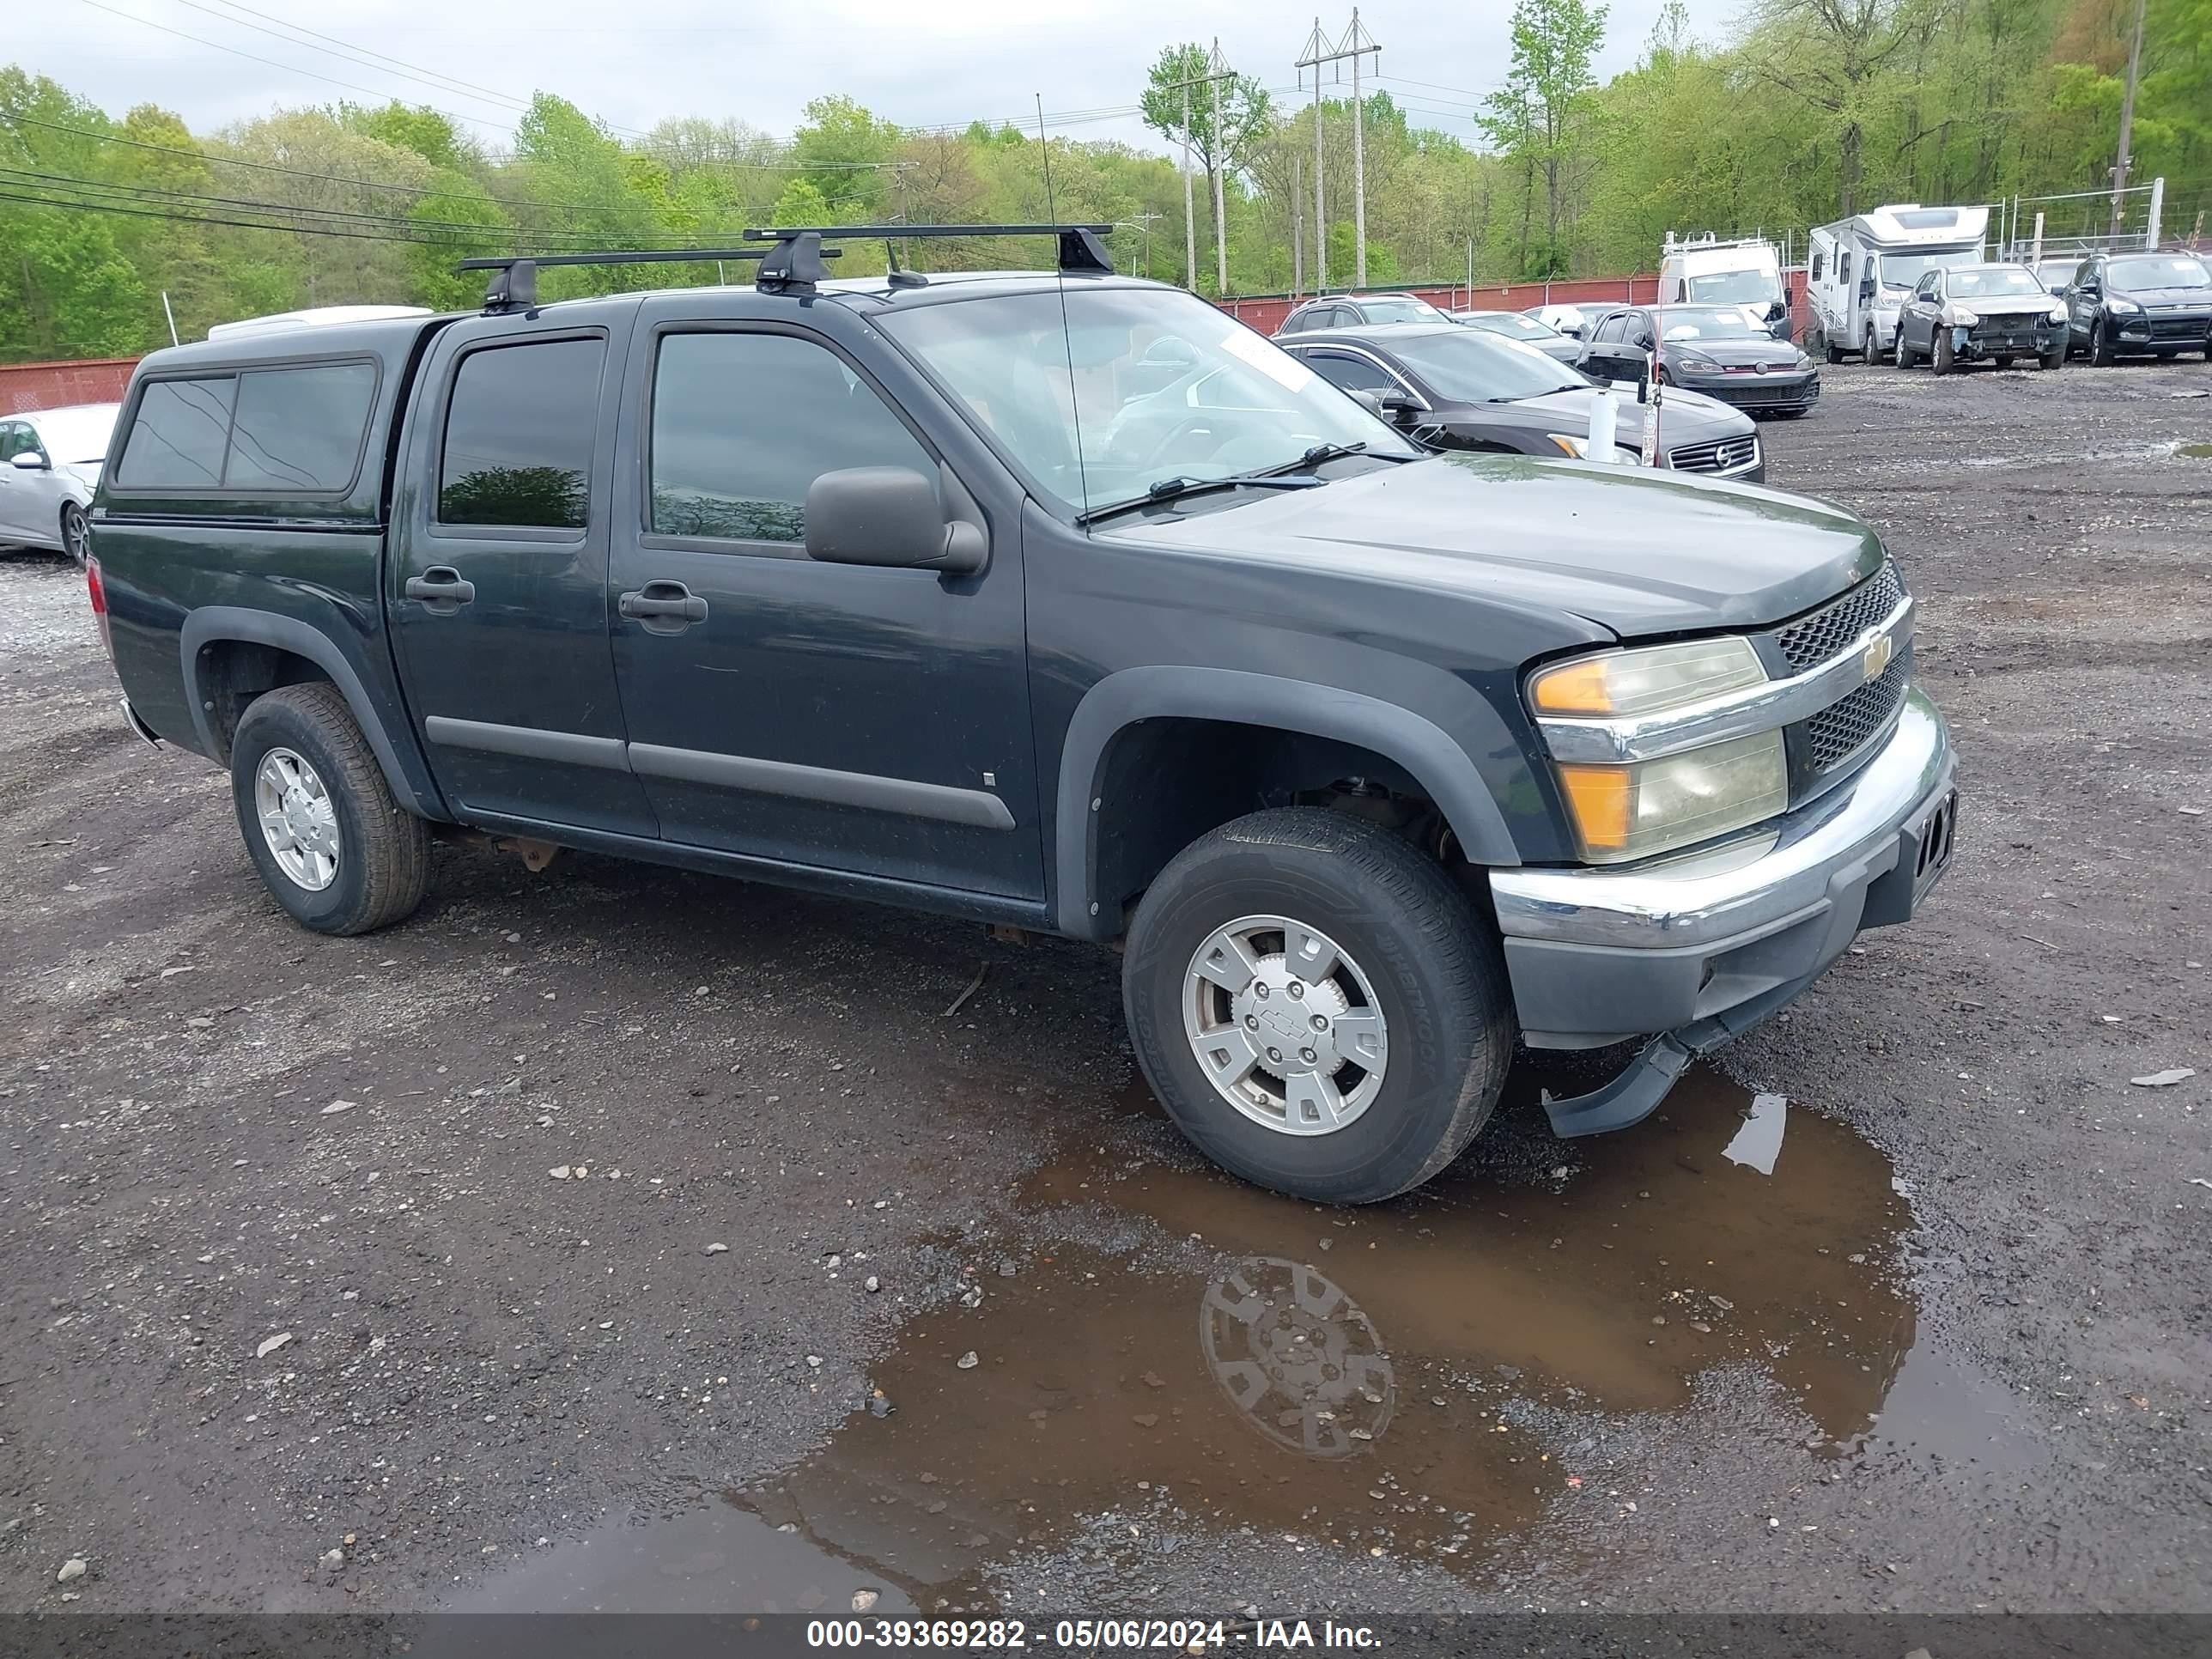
(1561, 318)
(50, 462)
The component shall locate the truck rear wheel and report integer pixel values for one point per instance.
(332, 846)
(1318, 1005)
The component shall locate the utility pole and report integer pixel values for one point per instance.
(2127, 120)
(1220, 167)
(1298, 226)
(1214, 75)
(1355, 44)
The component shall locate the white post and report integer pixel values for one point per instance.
(1604, 418)
(2157, 212)
(2035, 255)
(170, 315)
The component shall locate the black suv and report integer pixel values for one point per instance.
(2140, 302)
(950, 592)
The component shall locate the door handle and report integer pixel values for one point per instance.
(441, 590)
(664, 607)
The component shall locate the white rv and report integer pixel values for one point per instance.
(1861, 270)
(1706, 270)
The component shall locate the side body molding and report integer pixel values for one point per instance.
(1170, 690)
(406, 772)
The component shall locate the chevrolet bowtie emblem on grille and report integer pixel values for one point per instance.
(1878, 655)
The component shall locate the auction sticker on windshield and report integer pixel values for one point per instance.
(1272, 360)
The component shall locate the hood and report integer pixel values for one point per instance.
(1564, 349)
(1637, 551)
(2006, 305)
(1779, 358)
(2193, 298)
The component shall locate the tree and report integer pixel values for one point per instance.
(1830, 53)
(801, 204)
(1540, 116)
(844, 149)
(1246, 111)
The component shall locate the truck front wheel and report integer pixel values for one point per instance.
(332, 846)
(1318, 1005)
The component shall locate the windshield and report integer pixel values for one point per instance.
(76, 437)
(1469, 367)
(1725, 286)
(1164, 386)
(1906, 269)
(1402, 308)
(1991, 280)
(2055, 274)
(1511, 323)
(1710, 323)
(2168, 271)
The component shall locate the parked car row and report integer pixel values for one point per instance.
(50, 462)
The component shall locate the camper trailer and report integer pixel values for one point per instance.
(1706, 271)
(1861, 270)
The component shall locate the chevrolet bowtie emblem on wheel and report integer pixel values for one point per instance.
(1878, 655)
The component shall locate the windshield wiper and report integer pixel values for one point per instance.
(1163, 490)
(1321, 454)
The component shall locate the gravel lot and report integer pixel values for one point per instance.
(381, 1274)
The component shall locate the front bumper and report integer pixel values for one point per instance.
(1755, 392)
(2007, 337)
(2164, 330)
(1599, 955)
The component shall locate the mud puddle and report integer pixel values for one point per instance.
(1151, 1350)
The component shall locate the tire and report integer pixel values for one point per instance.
(380, 852)
(77, 533)
(1830, 349)
(1408, 939)
(2005, 361)
(2054, 358)
(1904, 353)
(1941, 358)
(2101, 354)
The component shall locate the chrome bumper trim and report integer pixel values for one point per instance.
(1764, 707)
(130, 719)
(1761, 878)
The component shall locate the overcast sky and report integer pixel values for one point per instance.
(911, 61)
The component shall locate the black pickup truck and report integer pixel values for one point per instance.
(928, 589)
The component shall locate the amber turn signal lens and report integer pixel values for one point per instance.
(1599, 796)
(1579, 688)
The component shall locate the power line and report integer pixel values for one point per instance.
(362, 56)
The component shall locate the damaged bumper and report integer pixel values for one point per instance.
(1701, 945)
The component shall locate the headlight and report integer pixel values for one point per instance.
(1963, 317)
(1647, 681)
(2058, 313)
(1696, 365)
(1634, 810)
(2114, 302)
(1578, 447)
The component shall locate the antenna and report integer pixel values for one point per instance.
(1066, 334)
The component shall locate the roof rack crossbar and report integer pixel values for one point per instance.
(1080, 250)
(515, 280)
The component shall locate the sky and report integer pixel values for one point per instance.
(912, 62)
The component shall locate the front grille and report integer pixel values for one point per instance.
(2179, 328)
(1842, 729)
(2004, 331)
(1818, 636)
(1747, 391)
(1721, 455)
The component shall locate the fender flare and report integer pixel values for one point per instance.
(213, 624)
(1166, 691)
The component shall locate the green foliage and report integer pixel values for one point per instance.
(1807, 105)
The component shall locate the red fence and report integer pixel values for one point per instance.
(27, 387)
(1267, 314)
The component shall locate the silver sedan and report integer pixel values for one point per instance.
(50, 462)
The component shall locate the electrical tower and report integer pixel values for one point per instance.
(1355, 44)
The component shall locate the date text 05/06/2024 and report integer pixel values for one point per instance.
(1184, 1635)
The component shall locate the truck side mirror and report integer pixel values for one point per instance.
(887, 516)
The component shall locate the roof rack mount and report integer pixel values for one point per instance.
(1080, 250)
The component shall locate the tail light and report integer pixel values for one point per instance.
(98, 590)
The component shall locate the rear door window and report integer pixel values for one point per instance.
(179, 434)
(520, 429)
(299, 429)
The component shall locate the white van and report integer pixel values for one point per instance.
(1861, 270)
(1706, 270)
